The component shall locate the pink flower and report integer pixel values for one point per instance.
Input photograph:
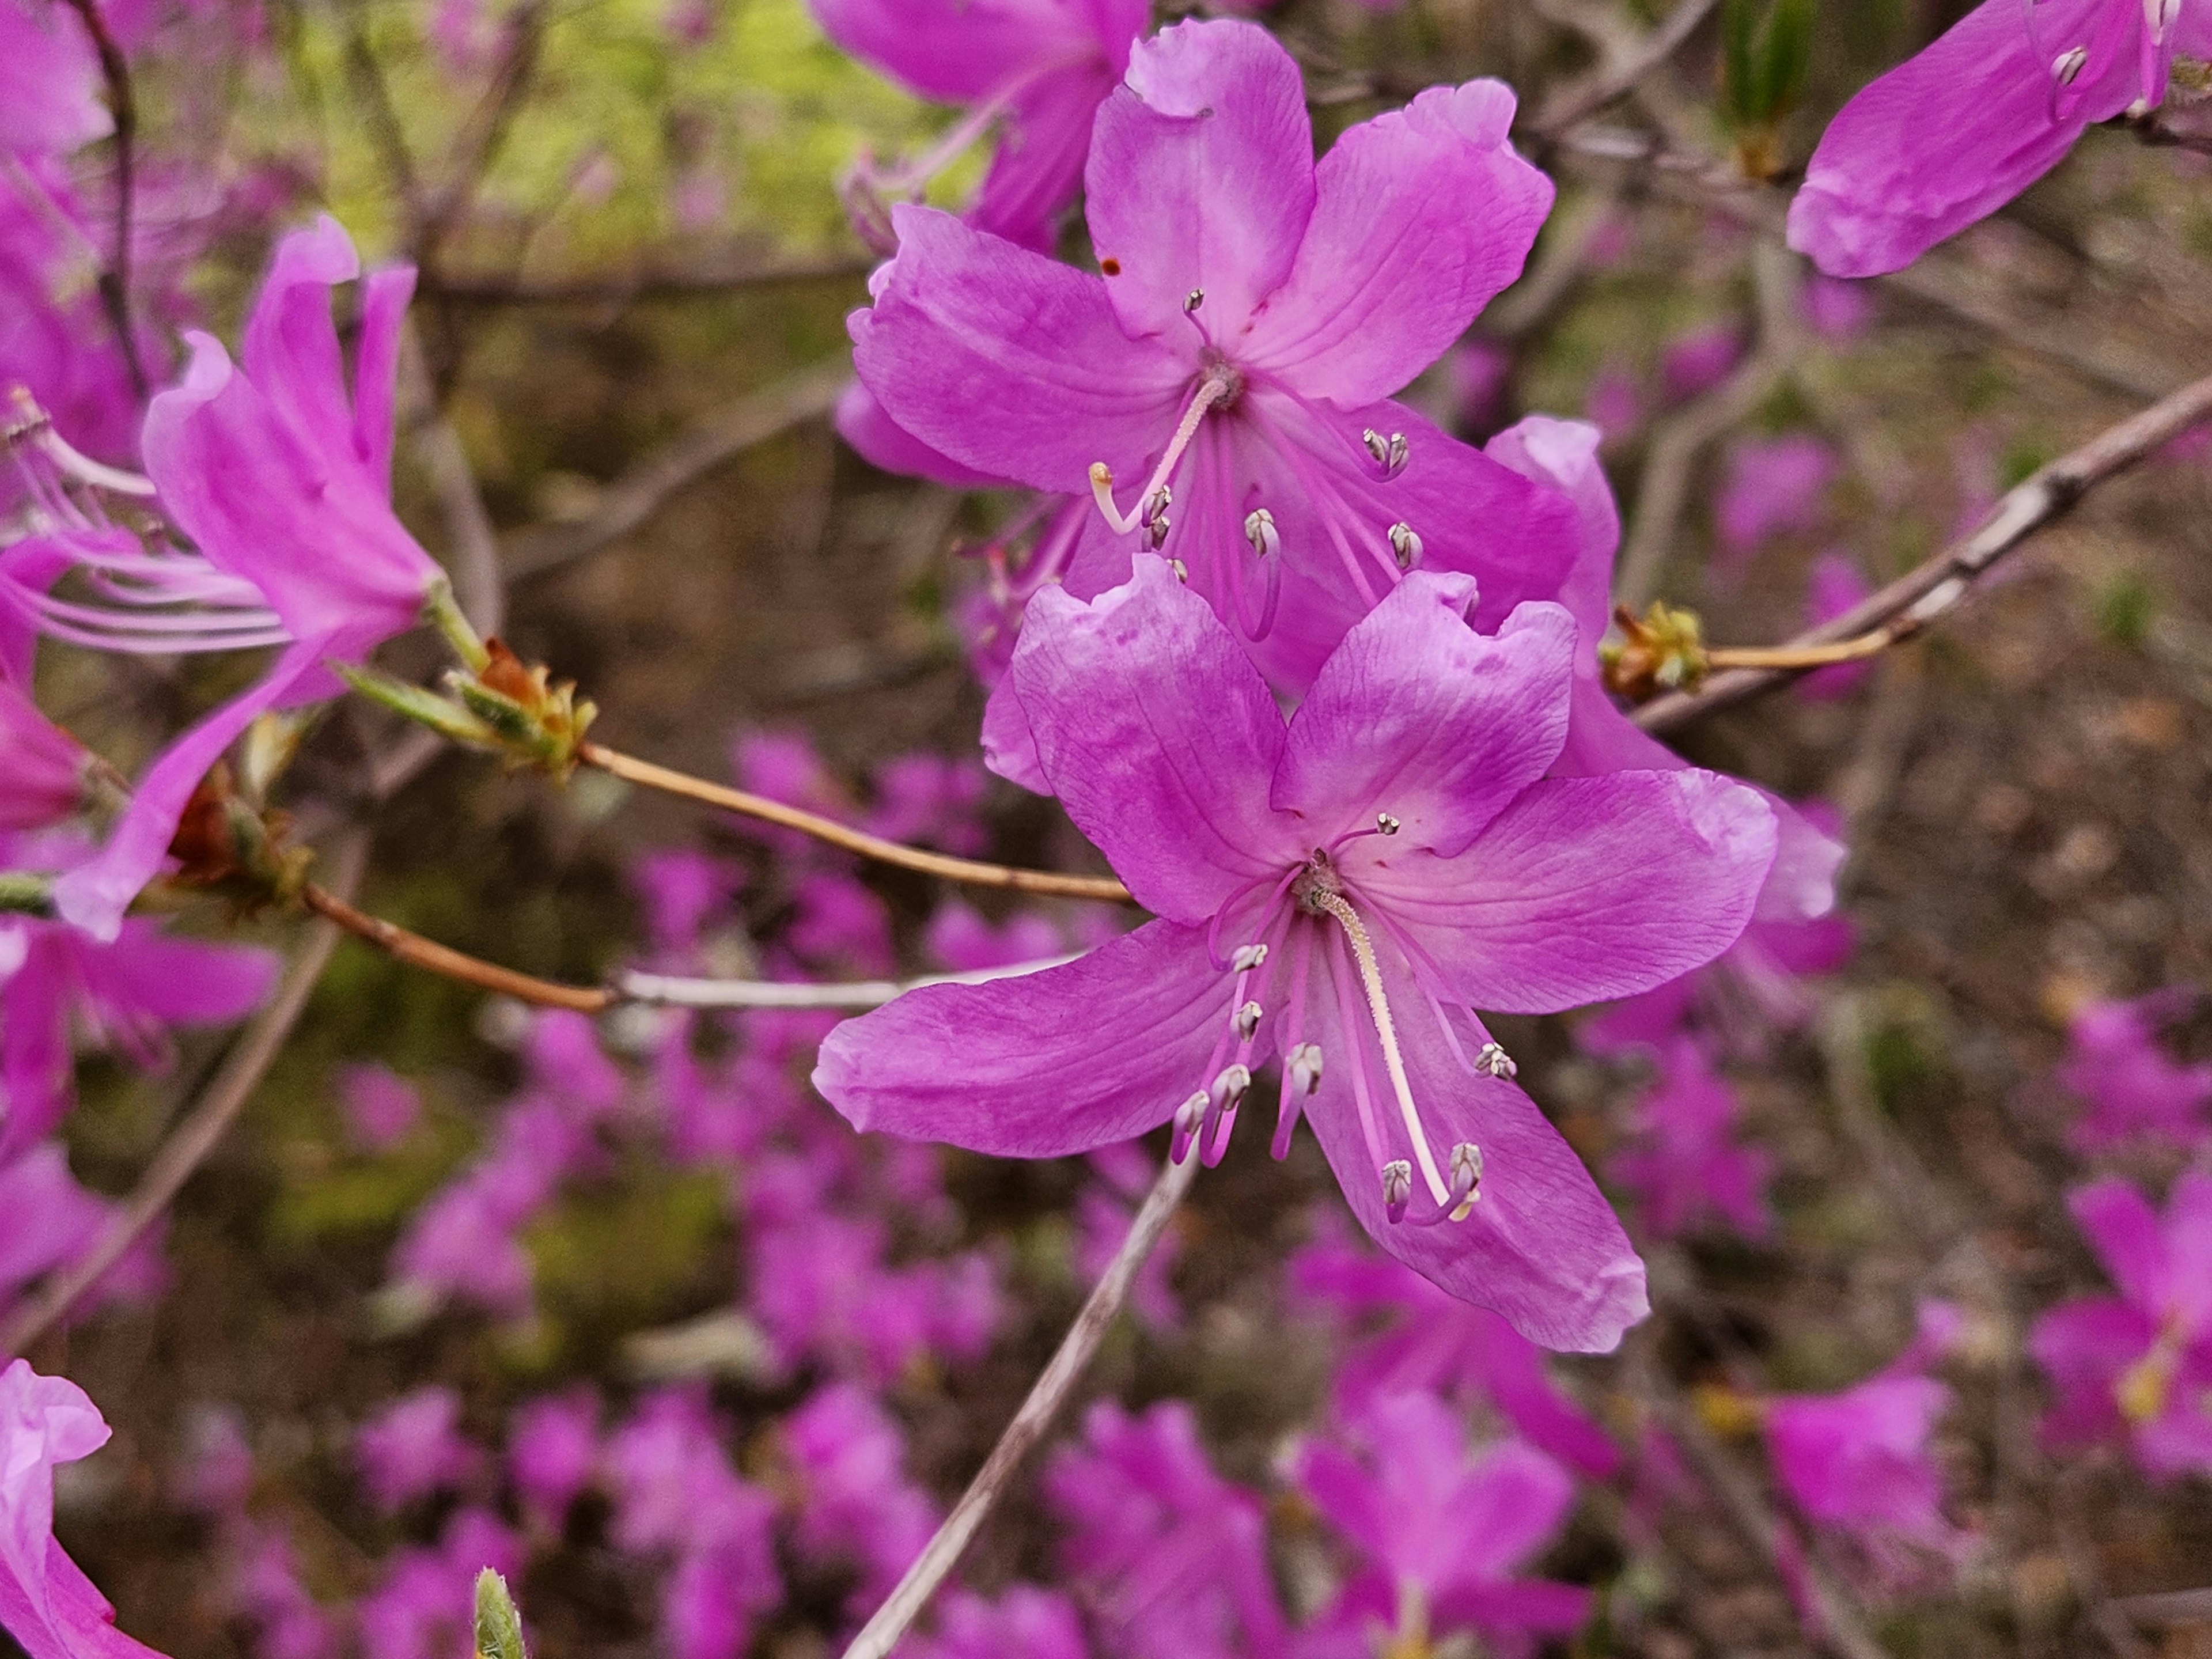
(1835, 587)
(1954, 134)
(47, 1221)
(50, 81)
(2130, 1087)
(42, 767)
(552, 1448)
(1442, 1533)
(380, 1106)
(1348, 888)
(1688, 1166)
(424, 1605)
(414, 1447)
(1025, 1621)
(1172, 1557)
(1772, 487)
(1698, 360)
(1104, 1211)
(1231, 366)
(2138, 1366)
(960, 938)
(46, 1603)
(856, 1505)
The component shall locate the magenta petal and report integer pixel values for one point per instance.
(48, 82)
(1088, 1054)
(1159, 738)
(1536, 1606)
(1009, 363)
(180, 980)
(1589, 889)
(882, 443)
(1009, 746)
(1423, 214)
(41, 766)
(1564, 454)
(953, 52)
(2125, 1231)
(291, 347)
(1418, 714)
(1201, 179)
(1038, 165)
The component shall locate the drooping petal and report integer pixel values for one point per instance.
(1564, 454)
(954, 52)
(1542, 1246)
(1201, 179)
(1419, 715)
(1084, 1056)
(1422, 214)
(384, 297)
(1587, 889)
(180, 980)
(1158, 736)
(882, 442)
(36, 1064)
(41, 766)
(289, 350)
(1950, 135)
(1038, 166)
(1010, 363)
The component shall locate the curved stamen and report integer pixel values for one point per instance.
(1217, 384)
(1301, 1070)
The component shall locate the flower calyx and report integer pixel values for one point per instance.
(516, 710)
(229, 844)
(1663, 650)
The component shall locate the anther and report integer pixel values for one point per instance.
(1158, 503)
(2067, 64)
(1194, 300)
(1302, 1069)
(1405, 545)
(1493, 1061)
(1397, 1187)
(1181, 570)
(1247, 958)
(1260, 531)
(1246, 1020)
(1466, 1172)
(1157, 531)
(1389, 453)
(1386, 825)
(1188, 1118)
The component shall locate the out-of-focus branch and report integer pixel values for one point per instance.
(472, 543)
(651, 280)
(187, 1148)
(1625, 70)
(417, 951)
(1068, 1363)
(638, 493)
(480, 140)
(1933, 590)
(123, 110)
(670, 991)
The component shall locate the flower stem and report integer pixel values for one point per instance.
(971, 871)
(442, 611)
(1800, 656)
(904, 1604)
(419, 953)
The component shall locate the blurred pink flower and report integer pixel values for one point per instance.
(1771, 487)
(855, 1504)
(1698, 360)
(2130, 1088)
(1836, 585)
(424, 1606)
(1687, 1166)
(552, 1448)
(413, 1447)
(380, 1106)
(1023, 1623)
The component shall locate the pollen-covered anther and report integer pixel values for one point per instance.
(1397, 1187)
(1182, 571)
(1247, 958)
(1386, 825)
(1158, 503)
(1493, 1061)
(1302, 1069)
(1246, 1020)
(1157, 531)
(1465, 1172)
(1260, 531)
(1194, 300)
(1229, 1087)
(2067, 64)
(1189, 1117)
(1389, 455)
(1405, 545)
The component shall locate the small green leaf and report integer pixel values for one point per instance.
(499, 1624)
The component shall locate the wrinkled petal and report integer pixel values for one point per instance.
(1009, 363)
(1200, 177)
(1564, 454)
(1051, 1063)
(1588, 888)
(1418, 714)
(1422, 214)
(1158, 736)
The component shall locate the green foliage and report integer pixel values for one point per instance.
(1766, 55)
(2125, 608)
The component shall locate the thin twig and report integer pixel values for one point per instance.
(900, 1609)
(638, 493)
(672, 991)
(1620, 77)
(123, 109)
(480, 140)
(417, 951)
(968, 871)
(187, 1148)
(1934, 589)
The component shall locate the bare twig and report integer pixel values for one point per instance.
(669, 991)
(123, 110)
(881, 1633)
(186, 1149)
(638, 493)
(480, 140)
(1612, 80)
(1933, 590)
(472, 543)
(651, 280)
(417, 951)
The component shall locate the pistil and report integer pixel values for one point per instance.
(1219, 383)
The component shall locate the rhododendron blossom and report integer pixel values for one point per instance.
(1343, 892)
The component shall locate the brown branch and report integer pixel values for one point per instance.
(187, 1148)
(481, 140)
(1933, 590)
(1629, 66)
(123, 109)
(968, 871)
(417, 951)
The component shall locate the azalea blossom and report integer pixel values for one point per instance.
(1221, 385)
(2132, 1090)
(414, 1447)
(2138, 1366)
(1344, 892)
(42, 767)
(1686, 1165)
(1033, 1623)
(1952, 135)
(1036, 69)
(283, 483)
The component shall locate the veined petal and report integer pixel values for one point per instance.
(1201, 179)
(1038, 165)
(1010, 363)
(289, 350)
(1564, 454)
(1048, 1064)
(1159, 738)
(1422, 214)
(1587, 889)
(882, 443)
(1419, 715)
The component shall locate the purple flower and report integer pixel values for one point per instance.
(283, 483)
(2130, 1087)
(46, 1603)
(1839, 310)
(1698, 360)
(1442, 1533)
(1172, 1557)
(855, 1503)
(265, 1589)
(1954, 134)
(1436, 1345)
(1348, 889)
(684, 892)
(414, 1447)
(1836, 586)
(1688, 1166)
(380, 1106)
(1025, 1621)
(960, 938)
(821, 1289)
(49, 83)
(552, 1448)
(42, 767)
(2138, 1365)
(1858, 1462)
(423, 1607)
(47, 1221)
(1232, 363)
(1037, 69)
(1772, 487)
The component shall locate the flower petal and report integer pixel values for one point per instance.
(1201, 179)
(1587, 889)
(1008, 362)
(1038, 165)
(1421, 216)
(1419, 715)
(1159, 738)
(882, 443)
(2123, 1230)
(1084, 1056)
(954, 52)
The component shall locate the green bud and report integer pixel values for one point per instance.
(499, 1623)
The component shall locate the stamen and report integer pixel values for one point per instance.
(1295, 1053)
(1217, 384)
(1246, 1019)
(1158, 528)
(1302, 1069)
(1222, 1099)
(2067, 64)
(1386, 825)
(1378, 1007)
(1194, 300)
(1260, 531)
(1182, 571)
(1397, 1187)
(1405, 545)
(1247, 958)
(1494, 1062)
(1389, 455)
(1466, 1177)
(1188, 1118)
